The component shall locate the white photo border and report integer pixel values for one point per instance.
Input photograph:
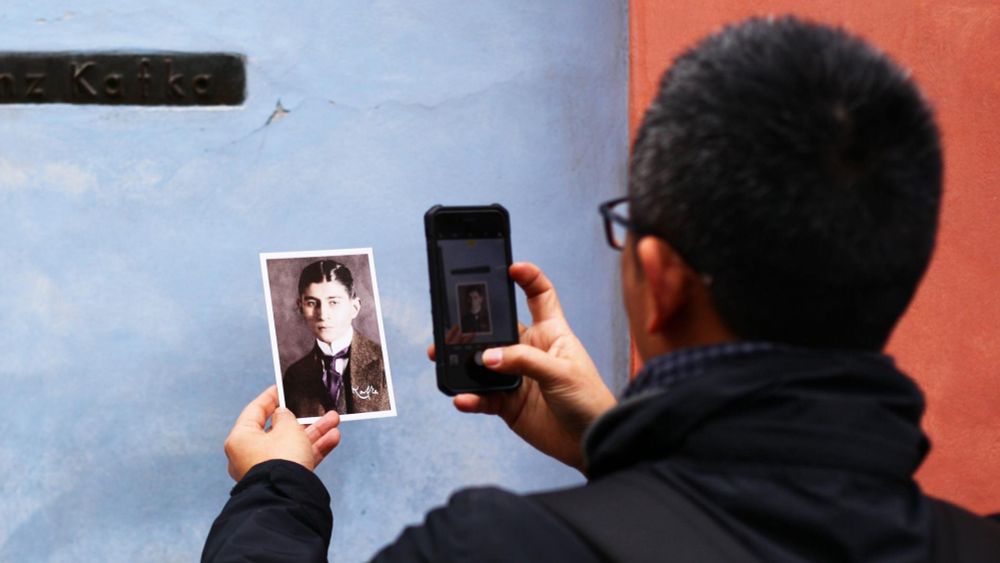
(319, 255)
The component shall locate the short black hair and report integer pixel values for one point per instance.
(799, 169)
(326, 271)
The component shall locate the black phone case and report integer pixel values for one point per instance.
(439, 303)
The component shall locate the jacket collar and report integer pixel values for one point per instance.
(664, 371)
(839, 409)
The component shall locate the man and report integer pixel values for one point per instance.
(344, 371)
(784, 190)
(476, 318)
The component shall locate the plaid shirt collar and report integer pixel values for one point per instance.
(661, 372)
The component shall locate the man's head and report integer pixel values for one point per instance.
(327, 300)
(798, 171)
(475, 299)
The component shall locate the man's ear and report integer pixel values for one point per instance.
(666, 281)
(356, 303)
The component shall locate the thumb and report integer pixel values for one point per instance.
(528, 361)
(282, 418)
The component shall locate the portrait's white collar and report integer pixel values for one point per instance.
(338, 344)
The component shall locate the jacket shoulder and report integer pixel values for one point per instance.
(962, 536)
(488, 524)
(367, 366)
(304, 365)
(364, 350)
(305, 394)
(631, 515)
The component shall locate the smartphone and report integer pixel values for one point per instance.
(472, 295)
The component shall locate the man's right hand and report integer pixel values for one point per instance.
(561, 394)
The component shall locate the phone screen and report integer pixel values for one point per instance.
(476, 287)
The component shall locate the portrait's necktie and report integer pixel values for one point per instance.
(335, 379)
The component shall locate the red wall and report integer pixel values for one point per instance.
(949, 340)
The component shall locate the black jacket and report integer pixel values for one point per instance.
(793, 455)
(279, 511)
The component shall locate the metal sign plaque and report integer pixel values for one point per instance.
(141, 79)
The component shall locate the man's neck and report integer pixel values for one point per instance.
(337, 345)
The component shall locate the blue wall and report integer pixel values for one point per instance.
(131, 306)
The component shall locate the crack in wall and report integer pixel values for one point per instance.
(278, 114)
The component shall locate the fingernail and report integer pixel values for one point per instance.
(493, 356)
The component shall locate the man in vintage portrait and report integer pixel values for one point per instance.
(343, 371)
(475, 312)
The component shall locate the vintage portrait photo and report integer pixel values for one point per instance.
(474, 308)
(327, 335)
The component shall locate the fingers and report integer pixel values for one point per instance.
(431, 352)
(256, 413)
(453, 335)
(485, 404)
(528, 361)
(325, 444)
(324, 435)
(328, 422)
(542, 300)
(281, 418)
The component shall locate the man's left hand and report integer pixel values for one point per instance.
(249, 443)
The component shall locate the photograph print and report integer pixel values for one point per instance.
(327, 335)
(474, 308)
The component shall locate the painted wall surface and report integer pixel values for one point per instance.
(949, 340)
(131, 300)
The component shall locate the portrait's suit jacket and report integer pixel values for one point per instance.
(364, 381)
(476, 323)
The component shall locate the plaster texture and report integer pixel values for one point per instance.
(131, 300)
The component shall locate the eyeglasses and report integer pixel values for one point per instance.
(617, 221)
